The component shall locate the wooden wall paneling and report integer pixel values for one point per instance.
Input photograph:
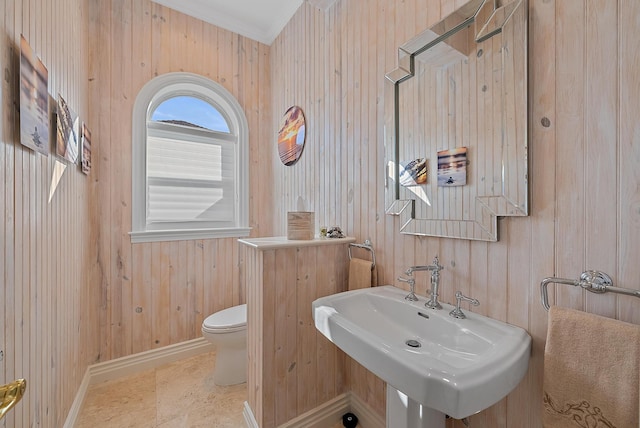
(292, 367)
(518, 307)
(141, 322)
(210, 270)
(248, 258)
(122, 65)
(32, 313)
(543, 189)
(4, 98)
(628, 248)
(357, 175)
(168, 41)
(196, 298)
(190, 301)
(333, 113)
(370, 80)
(21, 280)
(601, 142)
(326, 355)
(178, 293)
(43, 301)
(8, 146)
(162, 307)
(266, 399)
(518, 273)
(320, 103)
(218, 276)
(387, 60)
(237, 290)
(285, 345)
(266, 133)
(570, 149)
(101, 117)
(141, 72)
(306, 349)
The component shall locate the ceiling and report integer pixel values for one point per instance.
(260, 20)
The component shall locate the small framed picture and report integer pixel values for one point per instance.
(67, 144)
(34, 100)
(85, 153)
(413, 173)
(452, 167)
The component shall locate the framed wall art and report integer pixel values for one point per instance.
(85, 152)
(68, 132)
(34, 100)
(291, 136)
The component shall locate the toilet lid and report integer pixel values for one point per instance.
(230, 319)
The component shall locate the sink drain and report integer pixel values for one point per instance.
(413, 343)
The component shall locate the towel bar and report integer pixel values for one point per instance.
(367, 246)
(591, 280)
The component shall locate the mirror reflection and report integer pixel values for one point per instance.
(456, 122)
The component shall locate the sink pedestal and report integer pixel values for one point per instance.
(403, 412)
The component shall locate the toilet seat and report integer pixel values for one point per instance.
(227, 320)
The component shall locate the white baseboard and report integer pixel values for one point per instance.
(328, 414)
(323, 416)
(74, 412)
(249, 419)
(367, 417)
(147, 360)
(132, 364)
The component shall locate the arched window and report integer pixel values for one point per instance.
(189, 161)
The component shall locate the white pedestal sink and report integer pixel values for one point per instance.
(442, 365)
(403, 411)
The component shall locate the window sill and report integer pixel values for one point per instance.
(187, 234)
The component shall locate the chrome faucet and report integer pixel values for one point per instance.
(435, 269)
(412, 284)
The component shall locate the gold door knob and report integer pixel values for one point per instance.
(10, 394)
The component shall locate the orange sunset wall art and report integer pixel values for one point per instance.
(291, 135)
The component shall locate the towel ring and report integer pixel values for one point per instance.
(367, 246)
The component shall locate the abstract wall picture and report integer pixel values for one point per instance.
(68, 141)
(452, 167)
(85, 157)
(34, 100)
(291, 135)
(413, 173)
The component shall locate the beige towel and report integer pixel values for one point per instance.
(362, 274)
(591, 374)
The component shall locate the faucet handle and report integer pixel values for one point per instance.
(457, 312)
(412, 284)
(437, 265)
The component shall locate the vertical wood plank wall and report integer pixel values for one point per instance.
(48, 300)
(157, 294)
(583, 163)
(292, 368)
(76, 291)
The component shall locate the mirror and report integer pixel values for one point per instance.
(456, 124)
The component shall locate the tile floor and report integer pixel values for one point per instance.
(177, 395)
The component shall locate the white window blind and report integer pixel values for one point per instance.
(190, 177)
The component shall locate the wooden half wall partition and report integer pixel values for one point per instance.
(292, 368)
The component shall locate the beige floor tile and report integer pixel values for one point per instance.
(187, 395)
(177, 395)
(128, 402)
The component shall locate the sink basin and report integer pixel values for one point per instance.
(455, 366)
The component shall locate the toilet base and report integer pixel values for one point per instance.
(231, 367)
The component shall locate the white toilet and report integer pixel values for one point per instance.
(227, 330)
